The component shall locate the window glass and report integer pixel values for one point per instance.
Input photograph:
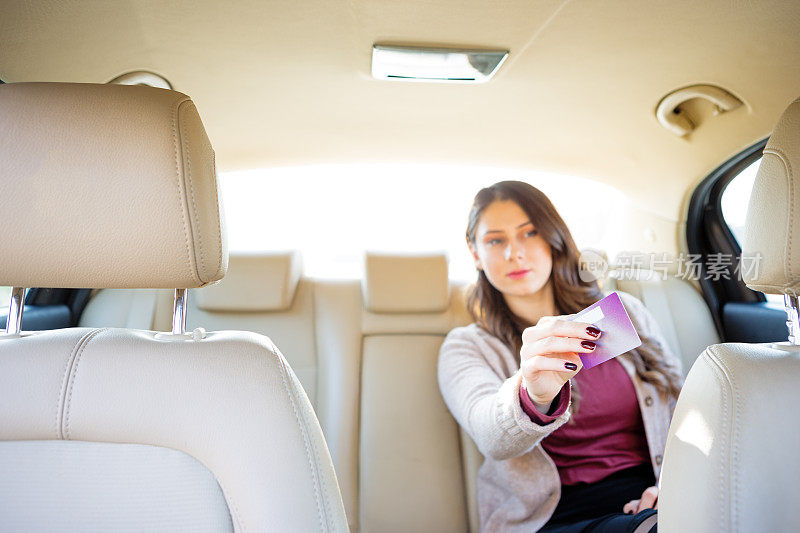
(736, 197)
(334, 213)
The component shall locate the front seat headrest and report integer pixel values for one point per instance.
(772, 229)
(106, 186)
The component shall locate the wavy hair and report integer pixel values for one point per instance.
(490, 311)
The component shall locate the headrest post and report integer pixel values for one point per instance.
(14, 320)
(792, 318)
(179, 312)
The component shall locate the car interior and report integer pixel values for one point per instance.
(159, 373)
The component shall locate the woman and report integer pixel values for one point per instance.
(513, 379)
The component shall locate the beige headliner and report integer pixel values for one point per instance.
(288, 83)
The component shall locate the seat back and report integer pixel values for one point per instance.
(409, 460)
(730, 463)
(677, 306)
(112, 428)
(264, 293)
(394, 444)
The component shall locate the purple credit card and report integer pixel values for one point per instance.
(619, 335)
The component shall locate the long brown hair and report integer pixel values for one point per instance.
(571, 293)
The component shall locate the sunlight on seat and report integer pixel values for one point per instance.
(695, 431)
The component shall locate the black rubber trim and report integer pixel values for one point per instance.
(708, 233)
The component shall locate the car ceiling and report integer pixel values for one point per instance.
(288, 83)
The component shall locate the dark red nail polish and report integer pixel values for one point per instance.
(593, 331)
(589, 345)
(570, 366)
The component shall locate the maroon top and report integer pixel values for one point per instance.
(607, 433)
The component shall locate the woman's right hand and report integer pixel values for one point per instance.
(549, 355)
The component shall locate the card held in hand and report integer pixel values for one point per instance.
(619, 335)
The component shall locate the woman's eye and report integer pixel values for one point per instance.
(493, 242)
(532, 233)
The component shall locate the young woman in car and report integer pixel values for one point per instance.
(513, 379)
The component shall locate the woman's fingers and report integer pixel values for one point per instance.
(556, 327)
(630, 507)
(648, 499)
(556, 345)
(566, 362)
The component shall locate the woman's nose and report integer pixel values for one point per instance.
(513, 250)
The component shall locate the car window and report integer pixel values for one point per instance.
(334, 213)
(736, 197)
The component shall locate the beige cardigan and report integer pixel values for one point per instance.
(518, 484)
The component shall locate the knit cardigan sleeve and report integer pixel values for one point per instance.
(485, 404)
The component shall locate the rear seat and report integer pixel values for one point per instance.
(677, 306)
(148, 309)
(264, 293)
(366, 353)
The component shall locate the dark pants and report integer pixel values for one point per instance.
(597, 507)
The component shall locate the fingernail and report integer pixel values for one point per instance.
(593, 331)
(570, 366)
(589, 345)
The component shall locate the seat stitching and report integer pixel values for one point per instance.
(314, 477)
(733, 435)
(735, 426)
(66, 371)
(180, 188)
(73, 376)
(216, 200)
(788, 167)
(190, 191)
(234, 510)
(322, 479)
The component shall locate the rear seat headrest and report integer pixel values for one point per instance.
(106, 186)
(406, 284)
(255, 282)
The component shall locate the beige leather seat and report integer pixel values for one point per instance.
(338, 335)
(676, 304)
(731, 462)
(261, 292)
(264, 293)
(394, 444)
(115, 429)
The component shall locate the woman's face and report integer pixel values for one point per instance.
(515, 258)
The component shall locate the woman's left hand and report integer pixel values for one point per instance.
(648, 500)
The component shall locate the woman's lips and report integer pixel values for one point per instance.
(518, 274)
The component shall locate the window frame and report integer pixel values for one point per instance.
(707, 233)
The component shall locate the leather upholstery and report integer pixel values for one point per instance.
(115, 184)
(772, 226)
(229, 400)
(360, 358)
(292, 328)
(405, 284)
(55, 485)
(226, 399)
(730, 463)
(254, 282)
(677, 306)
(406, 426)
